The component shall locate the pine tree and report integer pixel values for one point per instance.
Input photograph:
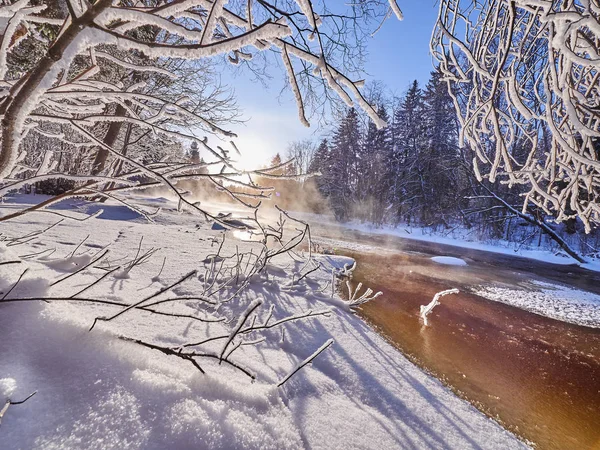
(408, 141)
(321, 164)
(343, 165)
(372, 189)
(194, 153)
(276, 161)
(438, 163)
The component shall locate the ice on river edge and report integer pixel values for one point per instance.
(549, 300)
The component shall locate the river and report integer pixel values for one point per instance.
(538, 377)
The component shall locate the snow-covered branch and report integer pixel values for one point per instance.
(524, 75)
(427, 309)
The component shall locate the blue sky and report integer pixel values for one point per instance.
(398, 54)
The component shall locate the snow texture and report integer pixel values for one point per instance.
(7, 387)
(549, 300)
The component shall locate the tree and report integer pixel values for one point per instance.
(408, 131)
(439, 165)
(372, 191)
(303, 154)
(321, 165)
(276, 160)
(129, 123)
(194, 153)
(67, 92)
(526, 71)
(343, 165)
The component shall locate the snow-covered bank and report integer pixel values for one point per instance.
(98, 392)
(549, 300)
(460, 238)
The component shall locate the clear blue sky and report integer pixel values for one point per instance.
(397, 55)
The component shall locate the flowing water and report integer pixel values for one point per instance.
(539, 377)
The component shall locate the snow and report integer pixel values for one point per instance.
(549, 300)
(7, 387)
(394, 6)
(461, 238)
(294, 85)
(96, 391)
(449, 261)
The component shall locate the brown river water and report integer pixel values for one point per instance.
(538, 377)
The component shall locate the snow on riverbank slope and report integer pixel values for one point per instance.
(96, 391)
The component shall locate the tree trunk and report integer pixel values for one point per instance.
(109, 139)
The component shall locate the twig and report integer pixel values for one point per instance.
(93, 261)
(15, 285)
(95, 282)
(305, 362)
(77, 248)
(10, 402)
(253, 306)
(136, 305)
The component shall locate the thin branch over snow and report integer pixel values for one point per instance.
(11, 402)
(308, 360)
(103, 104)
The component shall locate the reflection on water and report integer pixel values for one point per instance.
(537, 376)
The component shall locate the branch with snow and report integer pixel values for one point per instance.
(68, 89)
(524, 76)
(427, 309)
(10, 402)
(222, 286)
(354, 300)
(90, 107)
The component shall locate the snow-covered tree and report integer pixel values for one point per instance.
(408, 132)
(528, 71)
(372, 191)
(111, 84)
(343, 165)
(105, 73)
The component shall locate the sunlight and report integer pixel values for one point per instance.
(242, 235)
(255, 152)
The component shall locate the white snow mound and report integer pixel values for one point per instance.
(7, 387)
(449, 261)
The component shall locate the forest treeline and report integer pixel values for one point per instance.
(414, 173)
